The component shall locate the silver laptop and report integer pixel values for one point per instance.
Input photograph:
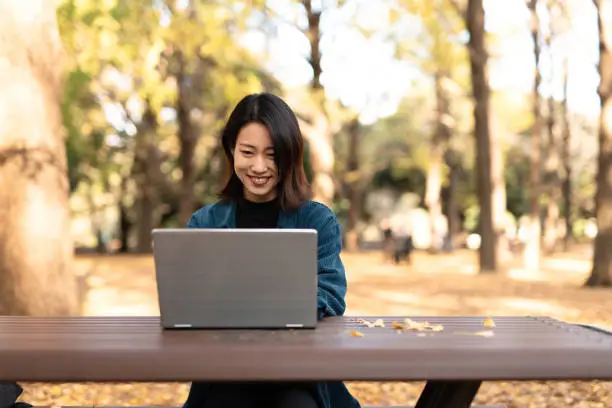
(236, 278)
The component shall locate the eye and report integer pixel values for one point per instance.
(246, 153)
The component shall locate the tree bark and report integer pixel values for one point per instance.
(552, 166)
(188, 134)
(488, 256)
(353, 186)
(532, 248)
(451, 158)
(566, 162)
(146, 167)
(319, 134)
(553, 184)
(439, 142)
(601, 273)
(36, 276)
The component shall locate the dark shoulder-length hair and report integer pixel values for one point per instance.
(272, 112)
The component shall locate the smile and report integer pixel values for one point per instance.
(259, 181)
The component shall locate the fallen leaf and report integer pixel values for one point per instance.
(488, 322)
(379, 323)
(422, 326)
(366, 323)
(397, 325)
(356, 333)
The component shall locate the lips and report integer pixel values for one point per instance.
(259, 181)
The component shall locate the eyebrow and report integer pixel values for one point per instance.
(253, 147)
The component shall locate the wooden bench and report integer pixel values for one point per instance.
(453, 361)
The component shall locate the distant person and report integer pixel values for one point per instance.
(266, 187)
(388, 240)
(397, 245)
(403, 246)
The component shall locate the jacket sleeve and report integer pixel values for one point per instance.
(332, 285)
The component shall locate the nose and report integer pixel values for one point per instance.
(259, 164)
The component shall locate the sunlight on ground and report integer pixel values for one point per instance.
(444, 284)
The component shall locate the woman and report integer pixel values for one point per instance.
(266, 187)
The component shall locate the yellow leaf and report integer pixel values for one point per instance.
(356, 333)
(488, 322)
(422, 326)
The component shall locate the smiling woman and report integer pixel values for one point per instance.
(254, 162)
(266, 187)
(264, 151)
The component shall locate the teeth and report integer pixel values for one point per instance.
(259, 180)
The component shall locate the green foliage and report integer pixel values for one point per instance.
(516, 173)
(402, 177)
(74, 100)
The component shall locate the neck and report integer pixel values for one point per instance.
(246, 196)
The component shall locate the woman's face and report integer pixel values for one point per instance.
(254, 163)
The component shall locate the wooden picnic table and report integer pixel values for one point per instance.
(454, 360)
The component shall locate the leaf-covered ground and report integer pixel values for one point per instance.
(432, 285)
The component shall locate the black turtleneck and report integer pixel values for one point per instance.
(250, 214)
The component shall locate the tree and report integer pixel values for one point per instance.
(556, 142)
(354, 189)
(489, 172)
(601, 274)
(35, 247)
(319, 133)
(532, 249)
(566, 186)
(439, 54)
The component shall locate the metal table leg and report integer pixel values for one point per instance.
(448, 394)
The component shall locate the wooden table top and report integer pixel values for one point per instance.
(138, 349)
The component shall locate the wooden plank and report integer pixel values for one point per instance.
(137, 349)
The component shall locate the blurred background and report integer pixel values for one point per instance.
(465, 146)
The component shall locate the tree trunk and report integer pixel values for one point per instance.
(532, 248)
(566, 162)
(125, 224)
(438, 141)
(319, 136)
(454, 220)
(188, 134)
(353, 186)
(36, 276)
(553, 183)
(481, 94)
(146, 168)
(551, 228)
(553, 158)
(601, 274)
(498, 185)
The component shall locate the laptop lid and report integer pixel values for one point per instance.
(236, 278)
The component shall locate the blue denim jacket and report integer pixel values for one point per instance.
(331, 274)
